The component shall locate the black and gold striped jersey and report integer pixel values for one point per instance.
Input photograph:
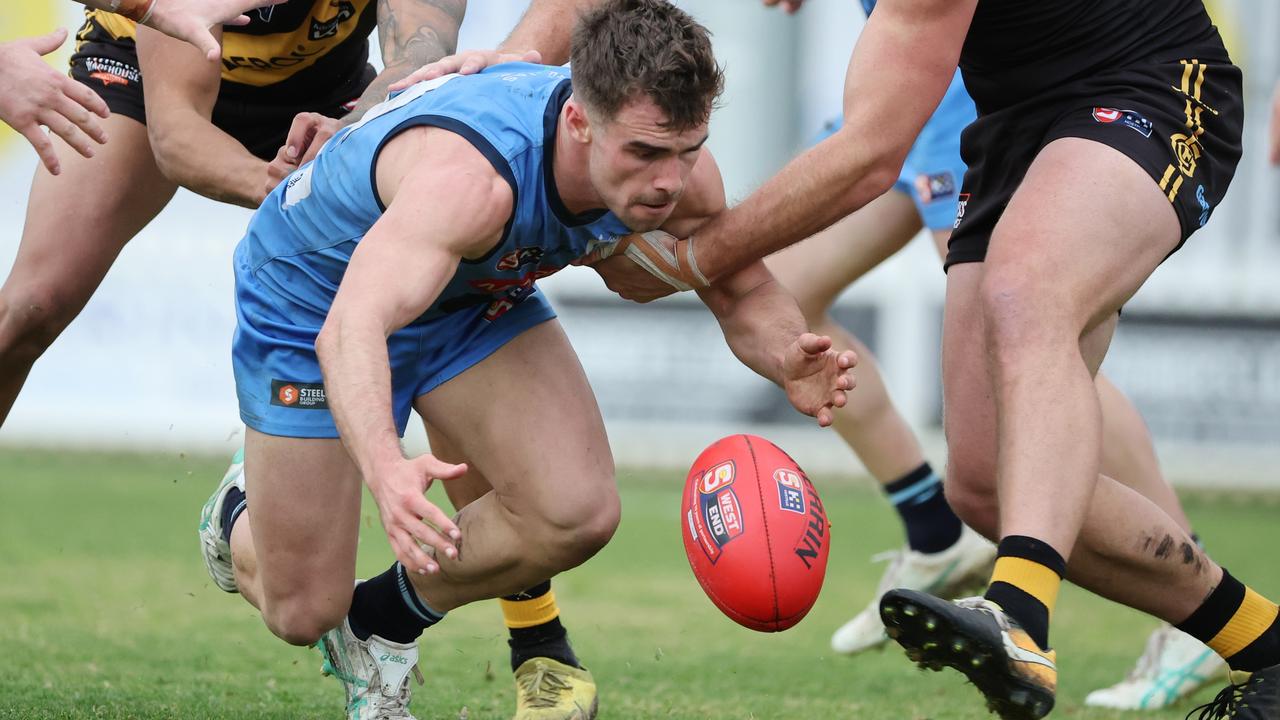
(293, 48)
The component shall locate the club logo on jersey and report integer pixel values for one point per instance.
(935, 186)
(790, 490)
(962, 201)
(321, 29)
(815, 533)
(716, 478)
(520, 257)
(1128, 118)
(304, 396)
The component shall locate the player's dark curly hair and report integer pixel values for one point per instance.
(627, 47)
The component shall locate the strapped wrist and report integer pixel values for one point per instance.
(138, 11)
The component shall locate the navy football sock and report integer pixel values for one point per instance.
(917, 496)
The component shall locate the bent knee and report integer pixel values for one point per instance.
(32, 318)
(1021, 315)
(571, 535)
(301, 620)
(971, 492)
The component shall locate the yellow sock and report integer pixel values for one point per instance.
(530, 613)
(1036, 580)
(1255, 616)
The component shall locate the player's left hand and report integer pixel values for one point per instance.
(467, 62)
(816, 377)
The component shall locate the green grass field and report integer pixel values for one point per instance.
(106, 612)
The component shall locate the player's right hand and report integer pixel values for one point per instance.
(277, 170)
(190, 20)
(418, 531)
(468, 62)
(33, 94)
(308, 133)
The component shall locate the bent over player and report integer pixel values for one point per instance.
(397, 271)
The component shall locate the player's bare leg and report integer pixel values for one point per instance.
(296, 570)
(1024, 334)
(940, 555)
(554, 502)
(77, 222)
(551, 684)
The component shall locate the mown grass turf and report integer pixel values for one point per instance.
(106, 612)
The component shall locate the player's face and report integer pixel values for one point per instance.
(639, 167)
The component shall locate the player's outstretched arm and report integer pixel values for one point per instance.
(444, 202)
(541, 36)
(764, 328)
(186, 20)
(913, 44)
(189, 149)
(32, 95)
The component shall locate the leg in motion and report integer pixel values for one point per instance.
(940, 555)
(551, 684)
(77, 222)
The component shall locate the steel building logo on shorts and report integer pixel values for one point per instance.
(299, 395)
(1129, 118)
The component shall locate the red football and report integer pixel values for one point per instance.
(755, 532)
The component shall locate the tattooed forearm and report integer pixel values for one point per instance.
(412, 33)
(418, 32)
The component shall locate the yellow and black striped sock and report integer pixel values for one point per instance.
(1025, 583)
(1238, 624)
(533, 619)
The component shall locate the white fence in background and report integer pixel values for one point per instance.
(146, 365)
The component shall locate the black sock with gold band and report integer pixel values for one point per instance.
(1238, 624)
(533, 618)
(1025, 583)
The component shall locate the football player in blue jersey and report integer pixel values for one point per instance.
(397, 272)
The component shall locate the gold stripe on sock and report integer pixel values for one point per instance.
(1030, 577)
(1254, 616)
(530, 613)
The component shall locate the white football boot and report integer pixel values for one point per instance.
(216, 551)
(952, 573)
(1173, 666)
(374, 673)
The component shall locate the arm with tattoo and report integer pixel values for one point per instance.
(412, 33)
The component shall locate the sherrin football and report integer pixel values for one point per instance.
(755, 532)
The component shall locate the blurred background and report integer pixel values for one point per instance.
(146, 366)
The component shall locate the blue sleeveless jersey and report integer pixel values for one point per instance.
(308, 227)
(300, 242)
